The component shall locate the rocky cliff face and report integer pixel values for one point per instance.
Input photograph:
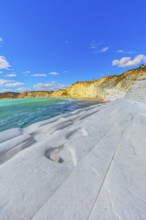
(107, 88)
(9, 95)
(34, 94)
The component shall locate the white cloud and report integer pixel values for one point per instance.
(94, 44)
(38, 74)
(10, 83)
(14, 84)
(125, 52)
(44, 86)
(4, 81)
(49, 86)
(98, 47)
(4, 63)
(27, 72)
(3, 90)
(104, 49)
(54, 73)
(11, 75)
(23, 89)
(127, 61)
(62, 86)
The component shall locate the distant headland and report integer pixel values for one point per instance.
(106, 88)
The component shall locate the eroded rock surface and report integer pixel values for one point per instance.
(88, 164)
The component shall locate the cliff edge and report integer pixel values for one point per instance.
(106, 88)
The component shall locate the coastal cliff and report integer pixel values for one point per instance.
(9, 95)
(30, 94)
(106, 88)
(34, 94)
(91, 161)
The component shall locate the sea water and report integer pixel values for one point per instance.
(23, 112)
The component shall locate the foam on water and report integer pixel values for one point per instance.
(23, 112)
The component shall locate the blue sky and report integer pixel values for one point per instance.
(50, 44)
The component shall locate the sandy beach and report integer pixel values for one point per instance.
(87, 164)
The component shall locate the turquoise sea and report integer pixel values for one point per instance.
(23, 112)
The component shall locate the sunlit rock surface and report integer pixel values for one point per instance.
(106, 88)
(87, 164)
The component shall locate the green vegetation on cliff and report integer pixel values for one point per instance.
(9, 95)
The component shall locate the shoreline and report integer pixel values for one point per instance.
(82, 98)
(78, 163)
(59, 106)
(60, 97)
